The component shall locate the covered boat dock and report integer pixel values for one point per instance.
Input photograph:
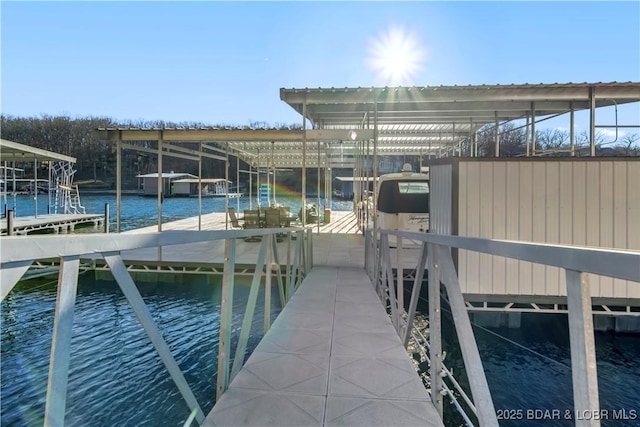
(64, 211)
(333, 307)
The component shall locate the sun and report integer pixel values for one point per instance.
(396, 57)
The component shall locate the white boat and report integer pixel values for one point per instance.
(403, 202)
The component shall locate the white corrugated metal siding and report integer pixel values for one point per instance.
(581, 202)
(440, 193)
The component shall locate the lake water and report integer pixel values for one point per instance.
(529, 371)
(116, 377)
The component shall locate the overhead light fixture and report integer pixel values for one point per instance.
(353, 135)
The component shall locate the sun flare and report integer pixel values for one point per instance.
(396, 57)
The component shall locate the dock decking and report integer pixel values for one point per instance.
(331, 357)
(341, 222)
(57, 223)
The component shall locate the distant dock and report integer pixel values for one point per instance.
(55, 223)
(342, 222)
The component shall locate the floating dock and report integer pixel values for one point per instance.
(341, 222)
(55, 223)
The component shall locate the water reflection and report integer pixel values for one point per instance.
(116, 376)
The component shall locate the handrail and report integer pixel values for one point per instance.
(445, 373)
(436, 258)
(19, 252)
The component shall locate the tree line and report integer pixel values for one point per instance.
(553, 142)
(96, 159)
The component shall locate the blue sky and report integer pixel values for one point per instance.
(224, 62)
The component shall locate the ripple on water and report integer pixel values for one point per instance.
(116, 377)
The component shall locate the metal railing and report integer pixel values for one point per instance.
(435, 257)
(422, 346)
(19, 253)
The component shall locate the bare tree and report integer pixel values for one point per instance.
(512, 141)
(553, 139)
(627, 144)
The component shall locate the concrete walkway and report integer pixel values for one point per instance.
(331, 358)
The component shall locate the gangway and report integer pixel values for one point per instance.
(326, 262)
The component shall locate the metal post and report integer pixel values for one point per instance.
(4, 193)
(118, 183)
(469, 347)
(527, 136)
(13, 187)
(308, 255)
(393, 301)
(106, 218)
(328, 196)
(275, 267)
(61, 342)
(367, 174)
(295, 266)
(226, 187)
(160, 186)
(200, 185)
(475, 140)
(273, 171)
(497, 135)
(304, 164)
(399, 274)
(267, 283)
(471, 139)
(533, 129)
(303, 257)
(318, 187)
(375, 165)
(583, 354)
(415, 292)
(572, 133)
(10, 217)
(379, 266)
(435, 329)
(226, 317)
(35, 184)
(592, 120)
(251, 182)
(238, 182)
(258, 179)
(288, 283)
(49, 179)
